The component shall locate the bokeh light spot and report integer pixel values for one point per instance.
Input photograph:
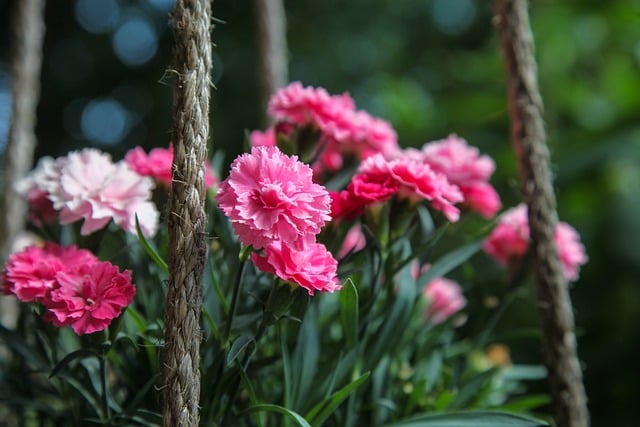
(135, 41)
(97, 17)
(104, 121)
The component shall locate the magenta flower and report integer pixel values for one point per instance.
(90, 296)
(509, 241)
(354, 241)
(445, 299)
(465, 167)
(313, 267)
(270, 196)
(30, 275)
(158, 163)
(266, 138)
(88, 185)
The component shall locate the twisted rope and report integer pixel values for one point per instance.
(191, 20)
(26, 62)
(528, 137)
(272, 48)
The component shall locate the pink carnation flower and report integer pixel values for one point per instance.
(313, 267)
(266, 138)
(158, 165)
(354, 241)
(31, 274)
(445, 299)
(509, 241)
(270, 196)
(90, 296)
(88, 185)
(344, 129)
(465, 167)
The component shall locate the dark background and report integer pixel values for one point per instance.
(431, 67)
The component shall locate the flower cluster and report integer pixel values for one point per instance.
(273, 204)
(88, 185)
(509, 241)
(344, 129)
(157, 164)
(74, 286)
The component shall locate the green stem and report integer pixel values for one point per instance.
(103, 382)
(234, 301)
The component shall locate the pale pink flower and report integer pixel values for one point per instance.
(354, 241)
(312, 268)
(89, 297)
(465, 167)
(31, 274)
(270, 196)
(158, 165)
(88, 185)
(445, 298)
(509, 241)
(41, 209)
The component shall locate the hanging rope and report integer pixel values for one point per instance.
(187, 219)
(26, 62)
(528, 137)
(272, 47)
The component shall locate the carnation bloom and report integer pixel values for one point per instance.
(354, 241)
(344, 129)
(509, 241)
(88, 185)
(90, 296)
(465, 167)
(31, 274)
(313, 267)
(267, 138)
(445, 299)
(270, 196)
(158, 163)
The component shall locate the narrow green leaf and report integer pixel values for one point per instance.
(448, 262)
(78, 354)
(473, 389)
(304, 360)
(470, 419)
(150, 250)
(281, 410)
(349, 312)
(526, 403)
(324, 409)
(238, 346)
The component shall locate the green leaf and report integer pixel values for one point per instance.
(473, 389)
(304, 360)
(448, 262)
(151, 251)
(242, 342)
(526, 403)
(78, 354)
(470, 419)
(281, 410)
(324, 409)
(349, 312)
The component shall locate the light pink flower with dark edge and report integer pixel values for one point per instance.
(90, 296)
(271, 196)
(313, 267)
(158, 163)
(41, 209)
(465, 167)
(31, 274)
(509, 241)
(88, 185)
(445, 299)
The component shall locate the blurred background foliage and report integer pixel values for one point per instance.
(431, 67)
